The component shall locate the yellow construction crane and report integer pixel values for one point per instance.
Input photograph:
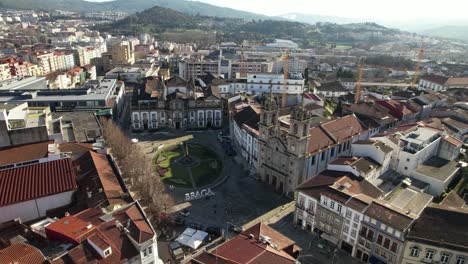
(285, 59)
(418, 65)
(357, 97)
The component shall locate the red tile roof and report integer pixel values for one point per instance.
(435, 79)
(24, 153)
(242, 249)
(35, 181)
(70, 229)
(334, 132)
(20, 253)
(453, 141)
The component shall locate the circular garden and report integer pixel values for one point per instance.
(188, 165)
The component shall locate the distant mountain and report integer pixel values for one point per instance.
(312, 19)
(453, 32)
(133, 6)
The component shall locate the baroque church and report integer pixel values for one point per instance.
(299, 146)
(176, 103)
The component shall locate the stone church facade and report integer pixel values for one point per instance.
(296, 149)
(176, 104)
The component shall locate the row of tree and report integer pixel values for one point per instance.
(138, 172)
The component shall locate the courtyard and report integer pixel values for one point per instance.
(187, 165)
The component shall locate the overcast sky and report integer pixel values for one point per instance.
(395, 10)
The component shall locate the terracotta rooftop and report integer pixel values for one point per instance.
(35, 181)
(243, 249)
(20, 253)
(24, 153)
(435, 79)
(388, 216)
(334, 132)
(70, 229)
(448, 228)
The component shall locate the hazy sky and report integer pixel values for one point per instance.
(395, 10)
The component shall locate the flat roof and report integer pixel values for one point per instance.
(24, 83)
(92, 90)
(437, 168)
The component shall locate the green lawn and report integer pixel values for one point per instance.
(209, 168)
(207, 171)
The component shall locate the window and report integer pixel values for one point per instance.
(339, 207)
(353, 232)
(312, 162)
(394, 247)
(445, 258)
(373, 221)
(325, 202)
(414, 251)
(379, 239)
(386, 243)
(335, 231)
(461, 260)
(346, 229)
(356, 218)
(429, 254)
(332, 204)
(323, 156)
(370, 234)
(348, 214)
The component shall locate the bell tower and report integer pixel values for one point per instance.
(299, 130)
(269, 116)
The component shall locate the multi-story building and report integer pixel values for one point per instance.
(440, 234)
(297, 148)
(244, 129)
(5, 72)
(105, 96)
(382, 234)
(175, 103)
(47, 60)
(226, 68)
(120, 54)
(133, 74)
(433, 82)
(332, 204)
(262, 83)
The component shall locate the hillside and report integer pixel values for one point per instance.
(133, 6)
(312, 19)
(452, 32)
(158, 20)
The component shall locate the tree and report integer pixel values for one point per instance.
(306, 76)
(138, 171)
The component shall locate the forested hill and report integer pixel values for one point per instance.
(158, 20)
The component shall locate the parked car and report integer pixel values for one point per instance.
(179, 220)
(213, 230)
(236, 229)
(184, 212)
(195, 226)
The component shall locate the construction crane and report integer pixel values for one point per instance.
(418, 65)
(285, 59)
(357, 97)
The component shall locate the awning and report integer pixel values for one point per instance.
(192, 238)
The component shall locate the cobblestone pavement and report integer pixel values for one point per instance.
(315, 250)
(238, 200)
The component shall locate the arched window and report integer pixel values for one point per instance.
(273, 118)
(305, 132)
(295, 128)
(414, 251)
